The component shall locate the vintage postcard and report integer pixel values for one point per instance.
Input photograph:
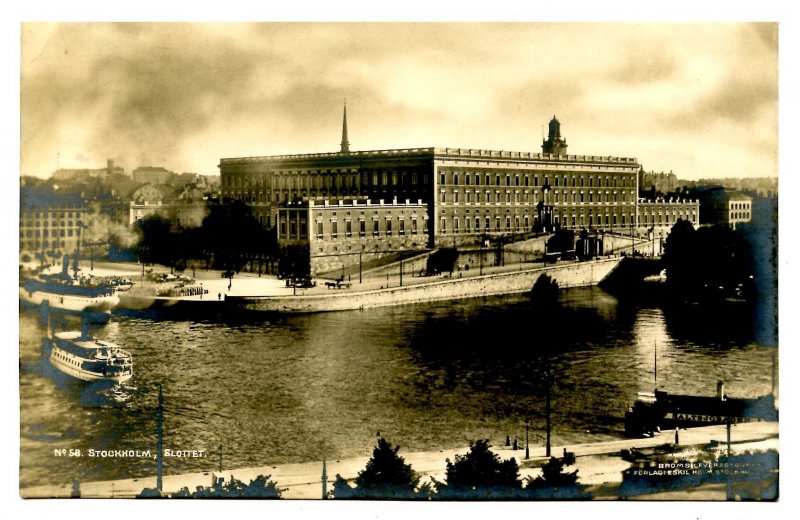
(403, 261)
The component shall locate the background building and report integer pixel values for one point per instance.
(50, 223)
(725, 206)
(152, 175)
(80, 174)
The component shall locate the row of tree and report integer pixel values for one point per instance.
(710, 262)
(228, 238)
(478, 474)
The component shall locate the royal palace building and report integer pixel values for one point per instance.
(468, 195)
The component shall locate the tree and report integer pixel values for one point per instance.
(544, 291)
(710, 262)
(441, 261)
(155, 244)
(555, 483)
(261, 487)
(479, 474)
(386, 477)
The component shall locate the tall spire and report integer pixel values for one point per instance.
(345, 142)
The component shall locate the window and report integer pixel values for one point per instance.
(565, 182)
(348, 227)
(442, 178)
(375, 227)
(455, 225)
(414, 226)
(388, 226)
(334, 229)
(402, 229)
(443, 226)
(455, 196)
(508, 180)
(455, 179)
(362, 228)
(488, 223)
(477, 224)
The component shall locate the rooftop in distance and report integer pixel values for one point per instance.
(434, 151)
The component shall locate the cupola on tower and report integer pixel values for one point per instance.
(554, 144)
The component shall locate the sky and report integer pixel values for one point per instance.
(699, 99)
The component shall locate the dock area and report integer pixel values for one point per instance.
(599, 465)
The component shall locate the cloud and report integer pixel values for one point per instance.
(184, 95)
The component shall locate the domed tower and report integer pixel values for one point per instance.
(554, 144)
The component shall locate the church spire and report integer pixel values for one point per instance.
(345, 142)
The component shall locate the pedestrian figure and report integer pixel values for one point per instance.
(676, 435)
(219, 296)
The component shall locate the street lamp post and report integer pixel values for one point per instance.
(527, 449)
(547, 411)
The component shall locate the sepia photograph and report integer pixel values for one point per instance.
(429, 261)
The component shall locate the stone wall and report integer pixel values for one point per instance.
(576, 274)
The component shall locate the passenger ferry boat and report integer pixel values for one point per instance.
(66, 294)
(80, 355)
(658, 410)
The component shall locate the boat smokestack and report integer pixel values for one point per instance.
(84, 330)
(65, 265)
(721, 390)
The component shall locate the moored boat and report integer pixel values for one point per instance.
(659, 410)
(67, 294)
(78, 354)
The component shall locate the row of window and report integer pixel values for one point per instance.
(744, 215)
(740, 205)
(521, 224)
(45, 233)
(32, 245)
(487, 198)
(388, 229)
(332, 181)
(52, 215)
(39, 223)
(346, 230)
(524, 180)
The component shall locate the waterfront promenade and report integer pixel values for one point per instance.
(599, 465)
(380, 288)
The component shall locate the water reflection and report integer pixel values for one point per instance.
(431, 376)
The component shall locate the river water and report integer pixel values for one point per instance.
(295, 388)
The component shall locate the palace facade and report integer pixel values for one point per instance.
(468, 195)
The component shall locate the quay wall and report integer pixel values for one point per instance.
(577, 274)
